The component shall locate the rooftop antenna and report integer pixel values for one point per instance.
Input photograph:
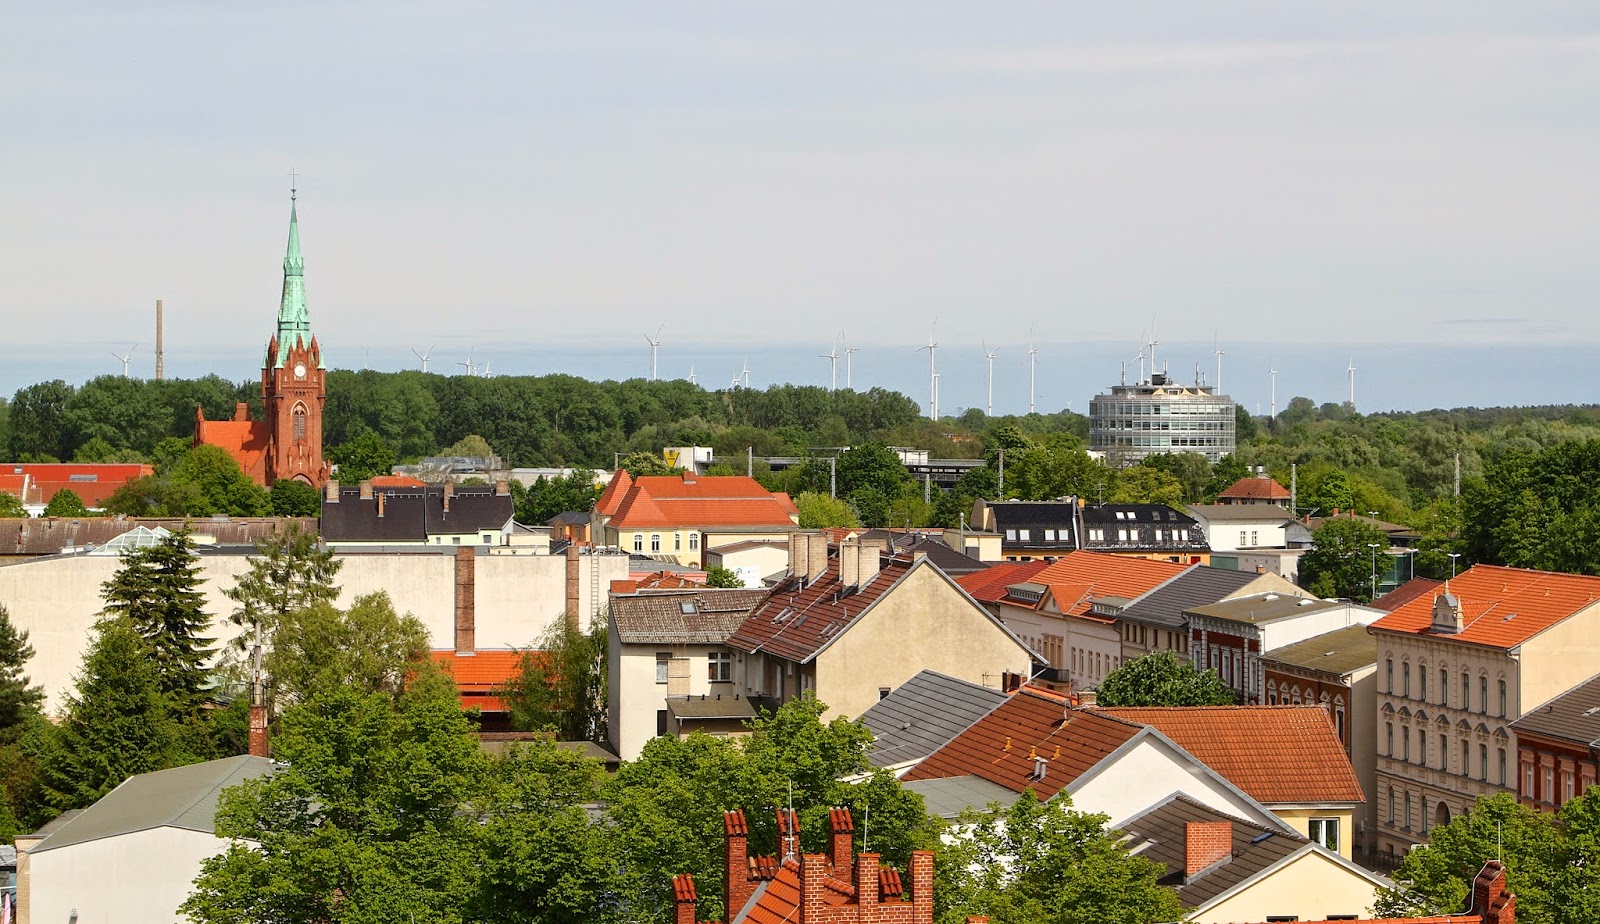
(424, 356)
(832, 356)
(989, 355)
(849, 351)
(125, 358)
(655, 344)
(1350, 370)
(1220, 354)
(1033, 369)
(933, 372)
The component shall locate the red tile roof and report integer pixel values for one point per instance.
(1276, 754)
(1501, 607)
(1082, 576)
(93, 482)
(798, 622)
(685, 500)
(397, 481)
(989, 585)
(1253, 488)
(1404, 594)
(612, 496)
(245, 440)
(480, 671)
(1001, 746)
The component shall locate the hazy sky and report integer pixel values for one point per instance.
(537, 178)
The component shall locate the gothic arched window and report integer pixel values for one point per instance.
(299, 415)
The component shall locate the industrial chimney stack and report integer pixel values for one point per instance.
(160, 370)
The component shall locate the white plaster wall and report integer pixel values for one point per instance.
(57, 600)
(138, 878)
(1150, 772)
(751, 565)
(1223, 535)
(1310, 888)
(636, 697)
(1299, 628)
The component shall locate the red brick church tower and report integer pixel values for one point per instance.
(288, 444)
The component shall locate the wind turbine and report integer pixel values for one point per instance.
(124, 359)
(989, 355)
(469, 365)
(1033, 369)
(1274, 373)
(849, 351)
(424, 356)
(1351, 371)
(933, 372)
(484, 373)
(745, 373)
(832, 356)
(655, 344)
(692, 380)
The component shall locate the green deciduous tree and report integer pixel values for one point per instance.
(10, 506)
(1162, 679)
(639, 464)
(157, 590)
(819, 511)
(547, 497)
(156, 496)
(66, 503)
(289, 572)
(366, 455)
(1341, 559)
(119, 722)
(560, 685)
(318, 647)
(290, 498)
(1044, 863)
(222, 485)
(1139, 484)
(722, 577)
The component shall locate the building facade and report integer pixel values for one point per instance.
(1455, 669)
(1234, 636)
(1160, 416)
(1558, 748)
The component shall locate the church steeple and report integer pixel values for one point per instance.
(294, 321)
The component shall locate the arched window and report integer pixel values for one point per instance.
(299, 418)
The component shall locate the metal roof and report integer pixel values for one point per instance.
(1338, 652)
(923, 714)
(949, 797)
(1260, 608)
(1198, 586)
(183, 797)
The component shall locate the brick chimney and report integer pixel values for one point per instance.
(331, 492)
(813, 886)
(259, 745)
(466, 600)
(683, 898)
(366, 490)
(788, 834)
(736, 853)
(1205, 844)
(1490, 898)
(241, 411)
(449, 492)
(381, 496)
(808, 555)
(858, 563)
(922, 887)
(502, 489)
(866, 883)
(574, 583)
(841, 831)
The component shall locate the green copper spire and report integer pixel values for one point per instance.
(294, 321)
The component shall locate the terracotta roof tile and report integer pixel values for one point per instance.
(705, 616)
(989, 585)
(481, 670)
(94, 483)
(245, 440)
(1502, 607)
(796, 622)
(611, 497)
(1405, 593)
(1001, 746)
(677, 501)
(1276, 754)
(1253, 488)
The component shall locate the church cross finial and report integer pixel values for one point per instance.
(294, 182)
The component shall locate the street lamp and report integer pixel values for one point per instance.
(1374, 547)
(1453, 557)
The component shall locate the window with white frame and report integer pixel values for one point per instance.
(663, 662)
(638, 542)
(719, 667)
(694, 541)
(655, 542)
(1325, 831)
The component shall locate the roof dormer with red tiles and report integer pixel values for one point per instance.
(837, 887)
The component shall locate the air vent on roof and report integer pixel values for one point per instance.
(1270, 597)
(1592, 710)
(1041, 766)
(1261, 837)
(1306, 602)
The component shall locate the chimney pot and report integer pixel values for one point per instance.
(366, 490)
(331, 492)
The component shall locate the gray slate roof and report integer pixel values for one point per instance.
(1220, 513)
(1165, 604)
(715, 706)
(1258, 609)
(696, 617)
(183, 797)
(923, 715)
(1163, 828)
(1338, 652)
(413, 514)
(949, 797)
(1573, 716)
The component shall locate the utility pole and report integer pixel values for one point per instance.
(750, 461)
(927, 489)
(1294, 489)
(1002, 475)
(1458, 475)
(161, 371)
(833, 476)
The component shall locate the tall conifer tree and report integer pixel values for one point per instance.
(157, 590)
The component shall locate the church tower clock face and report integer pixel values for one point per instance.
(300, 370)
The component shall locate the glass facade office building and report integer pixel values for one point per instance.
(1157, 416)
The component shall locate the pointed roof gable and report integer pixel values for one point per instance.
(616, 489)
(1079, 578)
(1255, 488)
(1500, 607)
(671, 501)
